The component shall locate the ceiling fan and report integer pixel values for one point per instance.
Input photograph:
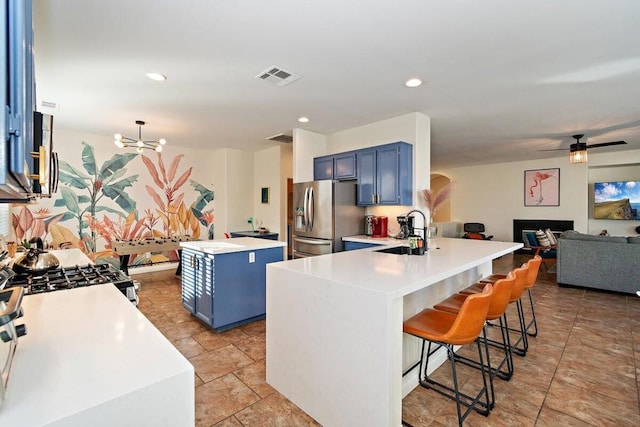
(578, 150)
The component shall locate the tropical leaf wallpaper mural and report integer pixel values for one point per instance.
(93, 208)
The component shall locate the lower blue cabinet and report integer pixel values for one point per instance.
(226, 290)
(352, 246)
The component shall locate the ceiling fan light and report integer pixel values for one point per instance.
(119, 143)
(158, 148)
(162, 141)
(578, 153)
(139, 149)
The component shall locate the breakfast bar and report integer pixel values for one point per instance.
(335, 345)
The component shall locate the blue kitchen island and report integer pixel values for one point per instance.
(224, 281)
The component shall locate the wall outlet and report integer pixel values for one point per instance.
(252, 257)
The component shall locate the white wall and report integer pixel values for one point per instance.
(267, 171)
(494, 194)
(286, 171)
(237, 200)
(306, 146)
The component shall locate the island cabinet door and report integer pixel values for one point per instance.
(239, 288)
(204, 288)
(189, 277)
(197, 272)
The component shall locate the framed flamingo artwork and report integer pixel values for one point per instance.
(542, 187)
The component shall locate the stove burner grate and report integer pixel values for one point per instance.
(71, 277)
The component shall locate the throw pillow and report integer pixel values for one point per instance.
(551, 237)
(543, 240)
(531, 239)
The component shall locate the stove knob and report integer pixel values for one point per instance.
(21, 330)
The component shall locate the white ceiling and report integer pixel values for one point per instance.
(503, 78)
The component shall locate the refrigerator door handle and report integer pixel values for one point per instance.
(312, 241)
(305, 209)
(311, 209)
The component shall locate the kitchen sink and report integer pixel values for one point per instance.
(398, 250)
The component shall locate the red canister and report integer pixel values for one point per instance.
(380, 226)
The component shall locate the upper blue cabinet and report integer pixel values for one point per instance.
(336, 166)
(385, 175)
(322, 168)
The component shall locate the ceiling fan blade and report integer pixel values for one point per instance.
(606, 144)
(556, 149)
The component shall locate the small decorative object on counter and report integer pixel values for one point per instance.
(12, 247)
(433, 202)
(416, 245)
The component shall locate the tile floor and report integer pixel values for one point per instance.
(582, 369)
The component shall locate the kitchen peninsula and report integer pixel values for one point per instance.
(335, 345)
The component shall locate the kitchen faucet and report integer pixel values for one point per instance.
(424, 222)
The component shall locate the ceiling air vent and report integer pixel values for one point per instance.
(281, 137)
(278, 76)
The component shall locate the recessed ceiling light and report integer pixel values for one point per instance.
(303, 119)
(413, 83)
(157, 77)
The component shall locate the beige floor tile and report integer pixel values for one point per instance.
(274, 411)
(212, 340)
(254, 375)
(220, 399)
(189, 347)
(591, 407)
(217, 363)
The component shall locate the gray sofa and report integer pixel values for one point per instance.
(602, 262)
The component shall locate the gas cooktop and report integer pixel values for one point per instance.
(72, 277)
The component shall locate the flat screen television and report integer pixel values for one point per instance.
(617, 200)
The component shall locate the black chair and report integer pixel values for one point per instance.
(475, 230)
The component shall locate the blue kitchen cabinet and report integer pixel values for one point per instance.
(344, 166)
(337, 166)
(352, 246)
(197, 269)
(229, 289)
(385, 175)
(323, 168)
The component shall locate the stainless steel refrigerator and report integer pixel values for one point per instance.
(324, 213)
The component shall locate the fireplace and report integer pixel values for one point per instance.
(521, 226)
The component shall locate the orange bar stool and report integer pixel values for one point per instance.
(532, 278)
(516, 292)
(497, 311)
(449, 330)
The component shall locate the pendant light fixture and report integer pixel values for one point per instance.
(140, 144)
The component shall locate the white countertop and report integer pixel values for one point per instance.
(361, 238)
(237, 244)
(399, 275)
(91, 358)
